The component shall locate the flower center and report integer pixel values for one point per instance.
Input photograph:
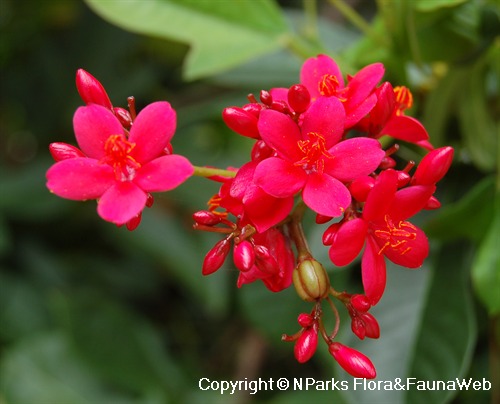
(329, 85)
(396, 236)
(404, 99)
(117, 149)
(314, 153)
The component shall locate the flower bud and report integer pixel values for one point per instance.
(206, 218)
(266, 97)
(432, 203)
(299, 98)
(358, 327)
(305, 320)
(330, 233)
(433, 166)
(244, 256)
(216, 257)
(261, 150)
(352, 361)
(361, 303)
(91, 90)
(265, 261)
(63, 151)
(242, 122)
(372, 329)
(311, 280)
(123, 116)
(306, 344)
(360, 188)
(133, 223)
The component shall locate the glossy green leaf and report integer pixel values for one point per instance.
(486, 266)
(468, 218)
(447, 331)
(221, 34)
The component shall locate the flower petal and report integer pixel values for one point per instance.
(281, 133)
(381, 195)
(362, 84)
(279, 178)
(405, 128)
(414, 253)
(164, 173)
(354, 158)
(93, 125)
(79, 178)
(121, 202)
(314, 69)
(410, 200)
(348, 242)
(325, 116)
(152, 130)
(373, 271)
(326, 195)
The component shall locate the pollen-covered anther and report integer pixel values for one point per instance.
(117, 149)
(396, 236)
(315, 152)
(329, 85)
(404, 99)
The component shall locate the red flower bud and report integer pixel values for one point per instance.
(352, 361)
(266, 97)
(432, 203)
(62, 151)
(305, 320)
(265, 261)
(216, 257)
(387, 162)
(206, 218)
(134, 222)
(321, 219)
(242, 122)
(433, 166)
(261, 151)
(372, 329)
(244, 256)
(358, 327)
(361, 303)
(330, 233)
(299, 98)
(306, 345)
(360, 188)
(91, 90)
(123, 116)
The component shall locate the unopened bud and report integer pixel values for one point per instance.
(216, 257)
(244, 256)
(360, 188)
(432, 203)
(242, 122)
(361, 303)
(206, 218)
(372, 329)
(433, 166)
(330, 233)
(299, 98)
(306, 345)
(63, 151)
(265, 261)
(123, 116)
(311, 280)
(352, 361)
(305, 320)
(91, 90)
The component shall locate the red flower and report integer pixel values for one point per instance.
(387, 233)
(322, 77)
(310, 158)
(120, 169)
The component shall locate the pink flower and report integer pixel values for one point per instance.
(310, 158)
(120, 169)
(322, 77)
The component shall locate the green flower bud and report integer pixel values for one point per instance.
(311, 281)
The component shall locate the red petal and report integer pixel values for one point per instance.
(410, 200)
(93, 125)
(414, 252)
(314, 69)
(405, 128)
(381, 195)
(281, 133)
(164, 173)
(325, 116)
(152, 130)
(79, 178)
(348, 242)
(326, 195)
(279, 178)
(121, 203)
(373, 271)
(354, 158)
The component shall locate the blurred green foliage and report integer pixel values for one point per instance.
(90, 313)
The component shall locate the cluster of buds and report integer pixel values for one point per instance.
(316, 148)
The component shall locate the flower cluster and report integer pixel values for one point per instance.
(317, 147)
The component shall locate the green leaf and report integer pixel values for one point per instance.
(221, 34)
(432, 5)
(447, 332)
(466, 218)
(486, 266)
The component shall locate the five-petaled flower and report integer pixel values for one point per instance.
(120, 168)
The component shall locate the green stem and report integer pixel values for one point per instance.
(311, 17)
(210, 172)
(357, 20)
